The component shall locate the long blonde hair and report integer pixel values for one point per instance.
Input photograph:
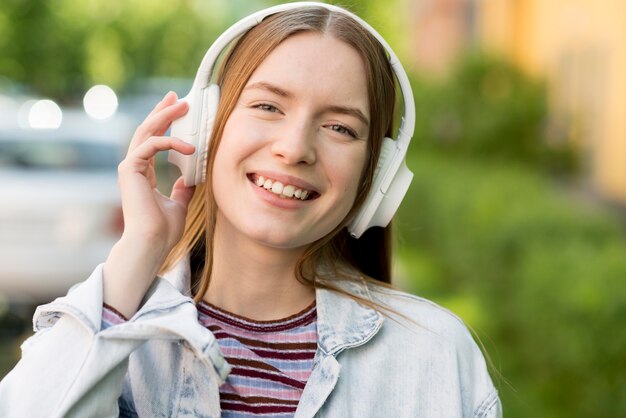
(370, 255)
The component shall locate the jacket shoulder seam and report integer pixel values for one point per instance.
(487, 405)
(394, 293)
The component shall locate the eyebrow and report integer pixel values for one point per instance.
(262, 85)
(350, 111)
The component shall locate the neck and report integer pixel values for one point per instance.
(255, 281)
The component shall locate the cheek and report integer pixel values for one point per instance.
(241, 137)
(357, 166)
(358, 176)
(231, 148)
(349, 175)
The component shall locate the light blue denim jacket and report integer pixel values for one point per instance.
(163, 363)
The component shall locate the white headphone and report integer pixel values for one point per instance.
(391, 177)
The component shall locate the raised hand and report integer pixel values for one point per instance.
(148, 214)
(153, 223)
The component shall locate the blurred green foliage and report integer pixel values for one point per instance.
(530, 261)
(62, 47)
(489, 109)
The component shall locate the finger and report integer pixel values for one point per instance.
(163, 118)
(169, 99)
(181, 193)
(148, 149)
(157, 124)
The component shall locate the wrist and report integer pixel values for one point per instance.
(129, 271)
(149, 245)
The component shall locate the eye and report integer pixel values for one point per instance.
(343, 130)
(266, 107)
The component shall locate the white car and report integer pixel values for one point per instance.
(60, 209)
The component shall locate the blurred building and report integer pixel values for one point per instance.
(441, 29)
(577, 46)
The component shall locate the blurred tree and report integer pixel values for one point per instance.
(538, 271)
(61, 47)
(490, 110)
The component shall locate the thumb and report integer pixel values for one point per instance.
(182, 194)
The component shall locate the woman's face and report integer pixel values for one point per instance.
(292, 151)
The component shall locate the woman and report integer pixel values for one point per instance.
(264, 304)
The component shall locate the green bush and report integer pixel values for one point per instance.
(539, 272)
(490, 110)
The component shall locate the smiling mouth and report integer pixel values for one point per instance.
(286, 191)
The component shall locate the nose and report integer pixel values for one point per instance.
(295, 144)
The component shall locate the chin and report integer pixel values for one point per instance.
(287, 234)
(284, 241)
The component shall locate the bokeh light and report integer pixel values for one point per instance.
(100, 102)
(45, 114)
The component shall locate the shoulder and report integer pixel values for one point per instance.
(424, 348)
(405, 316)
(411, 311)
(434, 332)
(416, 321)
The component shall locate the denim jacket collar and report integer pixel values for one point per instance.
(342, 322)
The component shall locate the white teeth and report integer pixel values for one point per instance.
(288, 190)
(280, 189)
(277, 187)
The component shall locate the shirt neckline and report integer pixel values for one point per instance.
(300, 318)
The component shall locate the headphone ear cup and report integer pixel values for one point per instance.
(210, 104)
(186, 128)
(387, 151)
(391, 182)
(393, 197)
(362, 219)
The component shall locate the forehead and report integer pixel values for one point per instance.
(316, 65)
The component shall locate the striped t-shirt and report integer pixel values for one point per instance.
(271, 360)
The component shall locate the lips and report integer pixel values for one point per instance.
(282, 188)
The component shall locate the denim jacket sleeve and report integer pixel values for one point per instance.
(70, 368)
